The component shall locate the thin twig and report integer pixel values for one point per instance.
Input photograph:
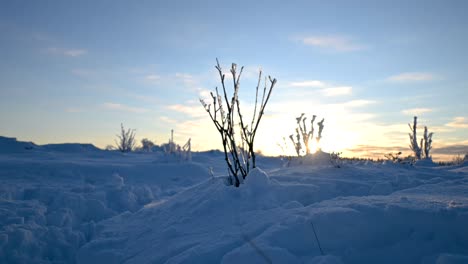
(316, 238)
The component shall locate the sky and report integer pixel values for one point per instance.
(73, 71)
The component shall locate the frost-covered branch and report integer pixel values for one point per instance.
(414, 140)
(427, 146)
(303, 136)
(423, 149)
(239, 157)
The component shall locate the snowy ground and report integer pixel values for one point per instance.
(73, 203)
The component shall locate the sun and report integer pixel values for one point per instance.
(313, 146)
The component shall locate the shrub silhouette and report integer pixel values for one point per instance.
(225, 112)
(126, 140)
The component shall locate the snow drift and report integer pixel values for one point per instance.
(69, 203)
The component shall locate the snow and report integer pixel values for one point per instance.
(74, 203)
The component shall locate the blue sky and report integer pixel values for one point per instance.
(72, 71)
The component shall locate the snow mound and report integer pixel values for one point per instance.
(425, 163)
(452, 259)
(257, 179)
(282, 218)
(11, 145)
(64, 206)
(52, 201)
(318, 158)
(70, 147)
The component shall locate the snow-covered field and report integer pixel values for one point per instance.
(73, 203)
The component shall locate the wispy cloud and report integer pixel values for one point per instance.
(204, 93)
(452, 149)
(39, 36)
(416, 111)
(309, 83)
(153, 77)
(458, 122)
(191, 110)
(324, 88)
(145, 98)
(412, 77)
(337, 43)
(358, 103)
(125, 108)
(67, 52)
(337, 91)
(186, 78)
(167, 120)
(376, 151)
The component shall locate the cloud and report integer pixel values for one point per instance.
(377, 151)
(204, 94)
(167, 120)
(67, 52)
(153, 77)
(202, 132)
(310, 83)
(42, 37)
(337, 91)
(451, 149)
(458, 122)
(412, 77)
(75, 52)
(145, 98)
(191, 110)
(186, 78)
(324, 88)
(337, 43)
(125, 108)
(416, 111)
(358, 103)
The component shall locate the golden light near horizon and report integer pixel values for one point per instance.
(274, 137)
(313, 146)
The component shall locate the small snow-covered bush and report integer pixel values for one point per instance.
(226, 115)
(147, 145)
(422, 150)
(397, 158)
(109, 148)
(126, 140)
(180, 152)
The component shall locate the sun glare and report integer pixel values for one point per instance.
(313, 146)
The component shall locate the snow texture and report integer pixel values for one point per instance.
(73, 203)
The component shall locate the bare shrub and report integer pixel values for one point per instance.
(225, 112)
(304, 135)
(126, 140)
